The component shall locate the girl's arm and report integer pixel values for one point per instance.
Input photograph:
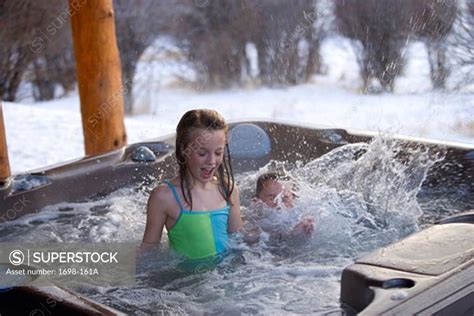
(235, 220)
(155, 219)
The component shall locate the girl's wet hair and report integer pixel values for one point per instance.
(205, 120)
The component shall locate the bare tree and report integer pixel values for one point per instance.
(138, 24)
(215, 36)
(383, 27)
(375, 24)
(36, 47)
(55, 67)
(37, 43)
(19, 25)
(283, 27)
(54, 64)
(321, 18)
(462, 44)
(432, 21)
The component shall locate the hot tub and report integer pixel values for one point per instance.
(365, 191)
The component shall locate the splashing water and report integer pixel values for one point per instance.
(114, 218)
(361, 197)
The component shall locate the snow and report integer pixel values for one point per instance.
(45, 133)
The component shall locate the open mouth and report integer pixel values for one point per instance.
(207, 172)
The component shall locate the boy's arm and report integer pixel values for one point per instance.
(155, 220)
(305, 228)
(235, 219)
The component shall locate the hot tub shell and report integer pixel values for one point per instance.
(94, 176)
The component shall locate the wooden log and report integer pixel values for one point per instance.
(98, 75)
(4, 162)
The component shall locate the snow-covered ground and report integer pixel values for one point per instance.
(41, 134)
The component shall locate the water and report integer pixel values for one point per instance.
(361, 197)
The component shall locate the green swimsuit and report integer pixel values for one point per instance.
(199, 234)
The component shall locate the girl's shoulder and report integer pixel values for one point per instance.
(163, 191)
(167, 184)
(173, 181)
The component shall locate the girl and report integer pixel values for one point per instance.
(199, 206)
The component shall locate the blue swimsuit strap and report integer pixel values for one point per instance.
(175, 194)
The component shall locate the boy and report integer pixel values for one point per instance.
(274, 192)
(270, 189)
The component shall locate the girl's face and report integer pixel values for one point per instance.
(204, 153)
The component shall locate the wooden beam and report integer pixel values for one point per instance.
(98, 75)
(4, 162)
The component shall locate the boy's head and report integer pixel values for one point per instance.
(270, 186)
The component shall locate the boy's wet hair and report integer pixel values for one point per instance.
(206, 120)
(269, 176)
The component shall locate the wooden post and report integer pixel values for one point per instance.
(4, 163)
(98, 75)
